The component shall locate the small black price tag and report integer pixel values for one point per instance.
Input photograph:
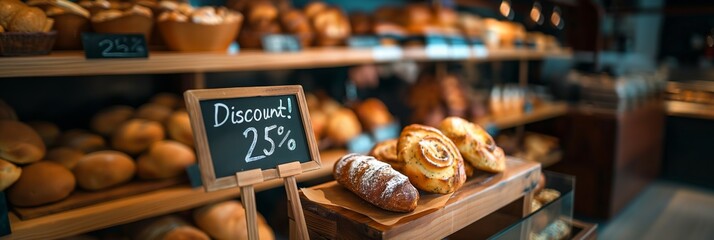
(363, 41)
(281, 43)
(105, 45)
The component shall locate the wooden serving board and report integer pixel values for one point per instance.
(80, 198)
(475, 200)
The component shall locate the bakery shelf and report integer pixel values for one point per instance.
(73, 63)
(540, 113)
(140, 206)
(689, 109)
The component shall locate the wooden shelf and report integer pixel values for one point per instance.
(540, 113)
(73, 63)
(140, 206)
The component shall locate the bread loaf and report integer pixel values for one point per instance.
(41, 183)
(19, 143)
(376, 182)
(386, 151)
(431, 161)
(107, 121)
(9, 173)
(66, 156)
(82, 140)
(342, 126)
(179, 127)
(49, 132)
(165, 159)
(373, 114)
(136, 135)
(165, 228)
(104, 169)
(227, 220)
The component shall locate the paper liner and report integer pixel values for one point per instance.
(334, 194)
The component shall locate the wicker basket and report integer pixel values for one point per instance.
(25, 44)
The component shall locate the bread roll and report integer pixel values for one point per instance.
(547, 195)
(153, 112)
(186, 233)
(376, 182)
(6, 111)
(313, 8)
(41, 183)
(431, 161)
(107, 121)
(28, 19)
(179, 127)
(66, 156)
(9, 173)
(295, 22)
(136, 135)
(19, 143)
(49, 132)
(227, 220)
(342, 126)
(165, 159)
(373, 114)
(82, 140)
(8, 10)
(169, 100)
(475, 145)
(104, 169)
(165, 228)
(386, 151)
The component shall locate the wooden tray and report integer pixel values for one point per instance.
(80, 198)
(469, 204)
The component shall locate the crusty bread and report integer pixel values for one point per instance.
(227, 220)
(376, 182)
(108, 120)
(66, 156)
(475, 144)
(431, 161)
(386, 151)
(136, 135)
(373, 114)
(19, 143)
(179, 127)
(104, 169)
(41, 183)
(9, 173)
(165, 159)
(165, 228)
(342, 126)
(28, 19)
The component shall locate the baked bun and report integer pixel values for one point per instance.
(431, 161)
(373, 114)
(9, 173)
(168, 100)
(165, 159)
(66, 156)
(136, 135)
(104, 169)
(386, 151)
(227, 220)
(476, 146)
(19, 143)
(8, 10)
(153, 112)
(331, 27)
(41, 183)
(165, 228)
(186, 233)
(295, 22)
(82, 140)
(313, 8)
(6, 111)
(107, 121)
(342, 126)
(179, 127)
(49, 132)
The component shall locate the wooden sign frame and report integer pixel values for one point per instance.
(208, 176)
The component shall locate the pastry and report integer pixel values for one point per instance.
(82, 140)
(376, 182)
(9, 173)
(15, 16)
(108, 120)
(165, 159)
(41, 183)
(153, 112)
(66, 156)
(165, 228)
(169, 100)
(373, 114)
(431, 161)
(178, 127)
(49, 132)
(227, 220)
(386, 151)
(136, 135)
(19, 143)
(331, 27)
(342, 126)
(104, 169)
(475, 144)
(547, 195)
(295, 22)
(6, 111)
(313, 8)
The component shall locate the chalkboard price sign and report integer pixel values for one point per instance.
(242, 129)
(105, 45)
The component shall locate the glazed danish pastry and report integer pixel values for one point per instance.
(475, 145)
(386, 151)
(431, 161)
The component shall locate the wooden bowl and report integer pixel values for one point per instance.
(134, 23)
(69, 27)
(193, 37)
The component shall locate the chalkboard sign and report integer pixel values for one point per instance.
(241, 129)
(105, 45)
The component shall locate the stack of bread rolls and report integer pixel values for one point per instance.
(330, 23)
(16, 16)
(261, 20)
(44, 164)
